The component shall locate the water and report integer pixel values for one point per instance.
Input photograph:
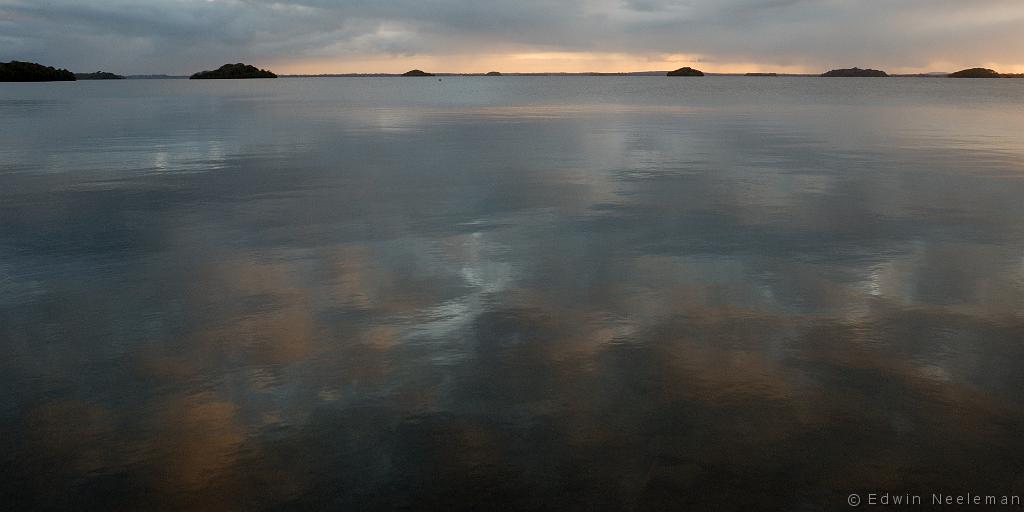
(558, 293)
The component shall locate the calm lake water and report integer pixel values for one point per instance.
(565, 293)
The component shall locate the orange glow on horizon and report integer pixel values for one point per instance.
(525, 62)
(579, 62)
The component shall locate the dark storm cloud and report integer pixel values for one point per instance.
(177, 35)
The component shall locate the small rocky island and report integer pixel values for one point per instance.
(976, 73)
(687, 71)
(99, 75)
(233, 71)
(493, 73)
(417, 72)
(856, 73)
(17, 71)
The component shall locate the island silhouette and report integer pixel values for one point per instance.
(976, 73)
(687, 71)
(18, 71)
(99, 75)
(983, 73)
(417, 72)
(855, 73)
(233, 71)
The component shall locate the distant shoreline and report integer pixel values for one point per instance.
(19, 71)
(637, 74)
(555, 74)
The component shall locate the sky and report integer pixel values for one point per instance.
(388, 36)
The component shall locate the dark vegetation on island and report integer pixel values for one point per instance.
(233, 71)
(17, 71)
(762, 74)
(687, 71)
(983, 73)
(417, 72)
(493, 73)
(99, 75)
(976, 73)
(856, 72)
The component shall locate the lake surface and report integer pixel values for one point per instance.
(564, 293)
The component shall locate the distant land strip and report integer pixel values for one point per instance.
(17, 71)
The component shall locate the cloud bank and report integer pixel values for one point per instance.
(324, 36)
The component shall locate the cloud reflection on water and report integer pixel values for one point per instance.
(741, 308)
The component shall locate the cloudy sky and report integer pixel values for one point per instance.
(339, 36)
